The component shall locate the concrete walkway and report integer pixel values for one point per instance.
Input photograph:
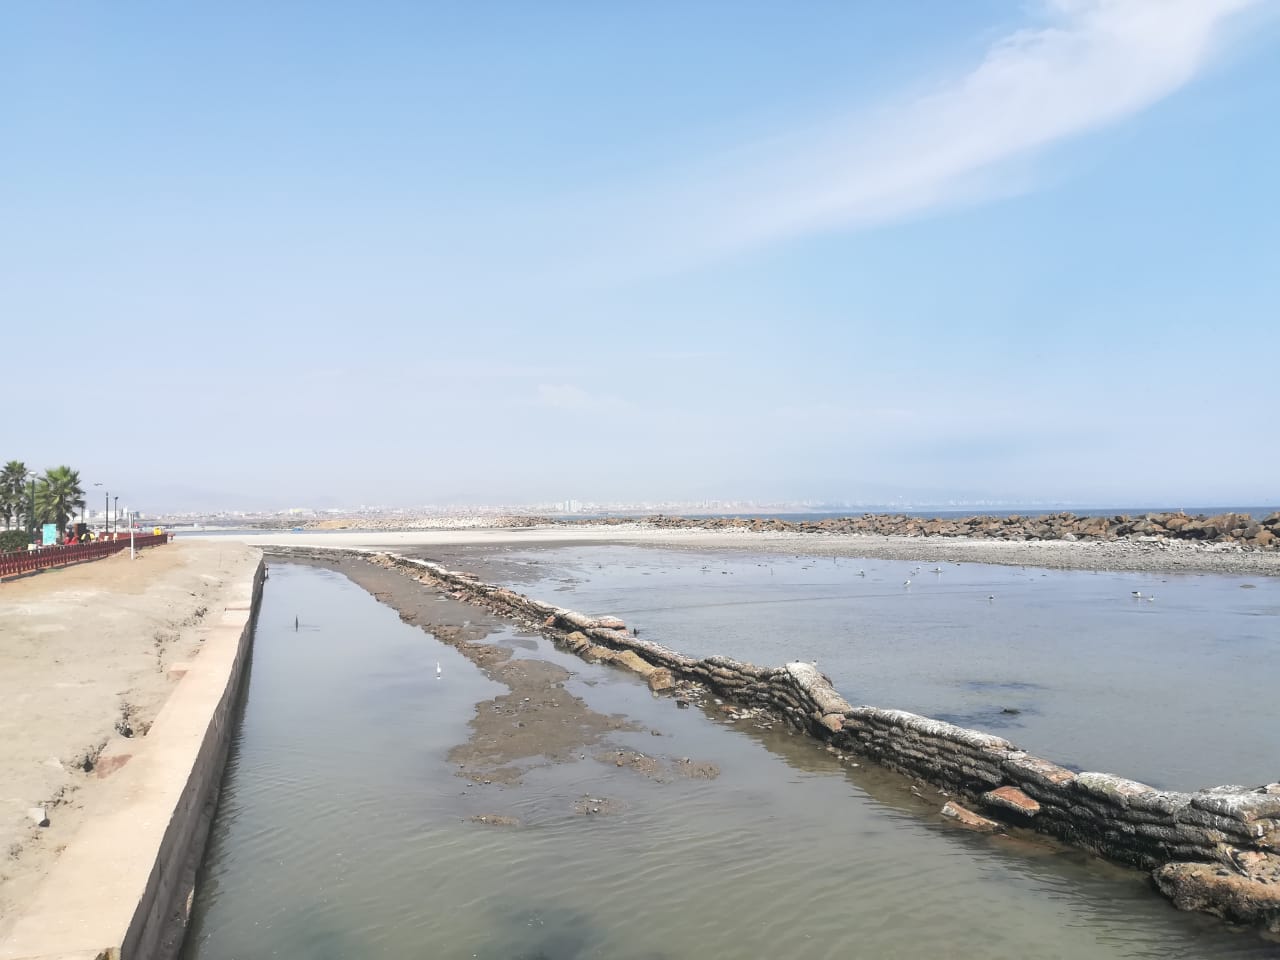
(88, 657)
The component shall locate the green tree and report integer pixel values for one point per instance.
(13, 492)
(58, 495)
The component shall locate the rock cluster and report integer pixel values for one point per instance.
(1215, 850)
(1237, 528)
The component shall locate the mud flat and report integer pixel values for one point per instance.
(1211, 850)
(1139, 555)
(345, 829)
(112, 677)
(536, 722)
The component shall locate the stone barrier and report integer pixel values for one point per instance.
(1239, 529)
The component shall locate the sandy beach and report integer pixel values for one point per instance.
(88, 655)
(1154, 556)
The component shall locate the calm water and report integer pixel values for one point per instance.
(1178, 691)
(343, 833)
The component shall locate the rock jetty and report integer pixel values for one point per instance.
(1232, 528)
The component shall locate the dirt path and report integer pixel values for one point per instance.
(86, 658)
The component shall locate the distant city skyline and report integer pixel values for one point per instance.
(261, 254)
(711, 508)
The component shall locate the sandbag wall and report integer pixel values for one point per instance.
(1212, 850)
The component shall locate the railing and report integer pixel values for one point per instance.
(28, 561)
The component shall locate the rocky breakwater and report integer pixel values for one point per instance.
(1215, 850)
(1239, 529)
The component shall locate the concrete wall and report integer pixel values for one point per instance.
(1212, 850)
(122, 889)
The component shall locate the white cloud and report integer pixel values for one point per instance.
(563, 396)
(1088, 64)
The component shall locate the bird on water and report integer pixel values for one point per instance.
(439, 672)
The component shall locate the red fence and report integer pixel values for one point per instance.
(28, 561)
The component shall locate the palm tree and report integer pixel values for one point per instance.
(58, 495)
(13, 491)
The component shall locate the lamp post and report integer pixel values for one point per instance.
(104, 508)
(32, 514)
(117, 513)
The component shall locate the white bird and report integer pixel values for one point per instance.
(1137, 594)
(439, 672)
(937, 569)
(906, 583)
(862, 573)
(991, 596)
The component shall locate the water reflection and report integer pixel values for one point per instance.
(524, 931)
(343, 831)
(1069, 664)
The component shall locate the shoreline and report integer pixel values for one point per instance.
(1210, 851)
(1124, 555)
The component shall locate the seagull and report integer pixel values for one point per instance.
(937, 569)
(439, 672)
(862, 573)
(1137, 594)
(906, 583)
(991, 596)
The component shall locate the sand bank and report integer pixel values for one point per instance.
(1136, 555)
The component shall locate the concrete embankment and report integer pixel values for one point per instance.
(1211, 850)
(122, 887)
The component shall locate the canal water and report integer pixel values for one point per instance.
(343, 831)
(1166, 678)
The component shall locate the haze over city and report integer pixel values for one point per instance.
(841, 252)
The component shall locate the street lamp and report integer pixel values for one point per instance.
(104, 506)
(32, 515)
(117, 513)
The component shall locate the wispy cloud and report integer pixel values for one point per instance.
(569, 396)
(1086, 64)
(563, 396)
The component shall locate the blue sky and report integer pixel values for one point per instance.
(305, 253)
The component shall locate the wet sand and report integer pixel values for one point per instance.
(1141, 556)
(537, 722)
